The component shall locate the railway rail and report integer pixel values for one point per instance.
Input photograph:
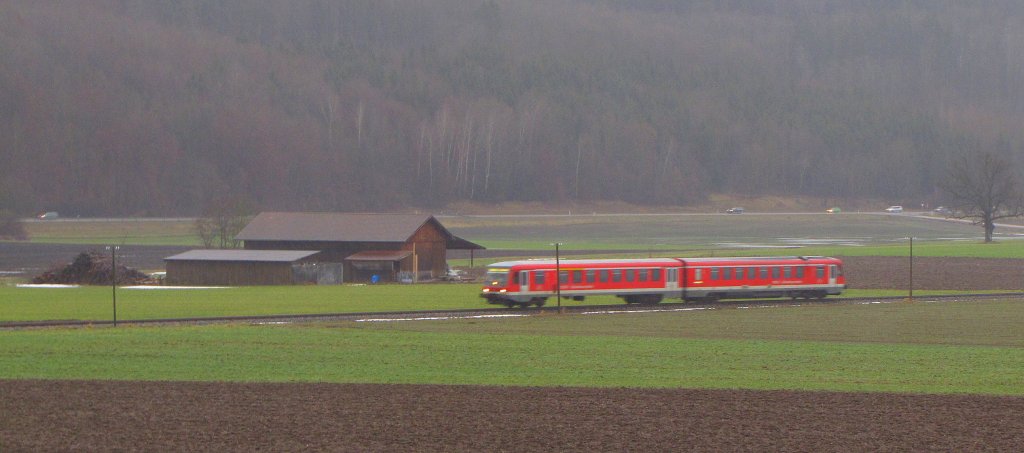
(496, 312)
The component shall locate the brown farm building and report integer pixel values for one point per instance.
(321, 247)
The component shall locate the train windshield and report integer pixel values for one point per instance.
(496, 277)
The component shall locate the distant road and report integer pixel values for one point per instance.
(110, 219)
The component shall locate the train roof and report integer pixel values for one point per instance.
(578, 262)
(766, 259)
(738, 260)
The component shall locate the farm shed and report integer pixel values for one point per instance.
(248, 267)
(391, 246)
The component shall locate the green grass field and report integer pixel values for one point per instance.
(917, 347)
(121, 231)
(674, 234)
(973, 348)
(95, 303)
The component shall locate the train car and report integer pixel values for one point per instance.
(532, 282)
(745, 278)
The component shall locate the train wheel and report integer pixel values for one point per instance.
(510, 304)
(539, 301)
(652, 299)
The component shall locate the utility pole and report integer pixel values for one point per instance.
(113, 277)
(558, 277)
(911, 268)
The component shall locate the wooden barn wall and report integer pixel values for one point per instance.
(431, 248)
(229, 273)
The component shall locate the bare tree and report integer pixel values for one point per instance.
(222, 219)
(11, 227)
(984, 188)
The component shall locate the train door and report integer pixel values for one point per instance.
(672, 278)
(833, 273)
(524, 281)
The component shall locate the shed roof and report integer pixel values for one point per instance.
(342, 227)
(284, 256)
(395, 255)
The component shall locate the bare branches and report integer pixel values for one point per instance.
(222, 219)
(984, 188)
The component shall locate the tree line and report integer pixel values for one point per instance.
(143, 107)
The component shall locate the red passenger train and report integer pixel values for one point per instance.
(532, 282)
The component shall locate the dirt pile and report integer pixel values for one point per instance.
(91, 268)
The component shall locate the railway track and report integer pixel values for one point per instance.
(498, 312)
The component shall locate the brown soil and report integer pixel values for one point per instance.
(875, 272)
(158, 416)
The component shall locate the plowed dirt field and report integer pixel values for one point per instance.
(187, 416)
(157, 416)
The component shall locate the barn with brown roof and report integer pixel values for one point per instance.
(393, 247)
(359, 247)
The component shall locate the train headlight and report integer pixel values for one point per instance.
(487, 290)
(503, 290)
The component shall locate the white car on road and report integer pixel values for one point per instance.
(894, 209)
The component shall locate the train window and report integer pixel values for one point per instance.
(714, 273)
(577, 276)
(656, 275)
(698, 274)
(775, 272)
(643, 275)
(630, 275)
(616, 275)
(497, 277)
(764, 273)
(787, 272)
(821, 272)
(739, 273)
(591, 276)
(752, 273)
(800, 272)
(603, 275)
(538, 277)
(515, 278)
(727, 273)
(563, 277)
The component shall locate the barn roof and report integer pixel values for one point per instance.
(285, 256)
(342, 227)
(395, 255)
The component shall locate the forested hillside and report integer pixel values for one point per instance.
(152, 107)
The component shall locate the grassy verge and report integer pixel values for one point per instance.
(806, 348)
(96, 303)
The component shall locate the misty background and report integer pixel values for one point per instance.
(149, 107)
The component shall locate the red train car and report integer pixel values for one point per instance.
(532, 282)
